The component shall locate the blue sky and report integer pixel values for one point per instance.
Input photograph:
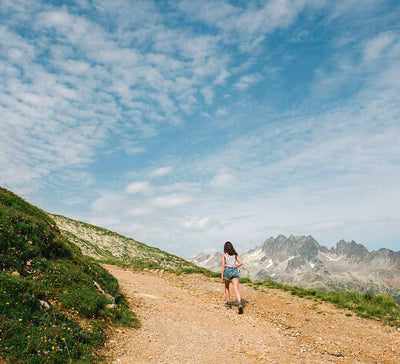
(184, 124)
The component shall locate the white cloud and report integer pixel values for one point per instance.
(140, 210)
(247, 81)
(190, 188)
(252, 19)
(133, 150)
(376, 48)
(171, 200)
(163, 171)
(138, 187)
(223, 179)
(208, 94)
(196, 223)
(221, 112)
(107, 204)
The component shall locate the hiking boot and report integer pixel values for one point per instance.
(228, 305)
(240, 308)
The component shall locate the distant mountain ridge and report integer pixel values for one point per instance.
(302, 261)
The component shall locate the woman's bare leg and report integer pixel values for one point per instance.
(235, 282)
(227, 296)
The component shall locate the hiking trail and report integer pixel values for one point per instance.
(184, 321)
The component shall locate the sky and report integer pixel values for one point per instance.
(184, 124)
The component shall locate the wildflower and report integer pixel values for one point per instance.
(19, 320)
(7, 303)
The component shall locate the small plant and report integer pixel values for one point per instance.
(245, 280)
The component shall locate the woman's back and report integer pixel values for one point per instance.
(230, 261)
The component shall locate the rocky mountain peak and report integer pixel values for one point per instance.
(282, 247)
(309, 249)
(351, 249)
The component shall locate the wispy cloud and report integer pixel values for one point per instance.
(223, 179)
(138, 187)
(163, 171)
(246, 81)
(196, 223)
(171, 200)
(376, 48)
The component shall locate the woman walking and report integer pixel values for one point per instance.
(230, 264)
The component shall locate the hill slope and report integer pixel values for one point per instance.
(107, 246)
(54, 302)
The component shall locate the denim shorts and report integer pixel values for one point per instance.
(230, 273)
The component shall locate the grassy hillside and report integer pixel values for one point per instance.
(54, 302)
(377, 307)
(109, 247)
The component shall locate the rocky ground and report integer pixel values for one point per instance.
(184, 321)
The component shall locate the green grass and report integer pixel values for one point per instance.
(50, 309)
(378, 307)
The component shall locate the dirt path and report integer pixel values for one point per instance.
(184, 321)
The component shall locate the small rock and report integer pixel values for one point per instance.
(44, 304)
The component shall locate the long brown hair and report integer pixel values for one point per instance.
(228, 248)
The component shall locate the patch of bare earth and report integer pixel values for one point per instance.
(184, 321)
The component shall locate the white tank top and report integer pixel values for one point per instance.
(230, 261)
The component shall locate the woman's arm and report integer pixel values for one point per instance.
(239, 262)
(223, 266)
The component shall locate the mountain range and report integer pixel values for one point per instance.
(302, 261)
